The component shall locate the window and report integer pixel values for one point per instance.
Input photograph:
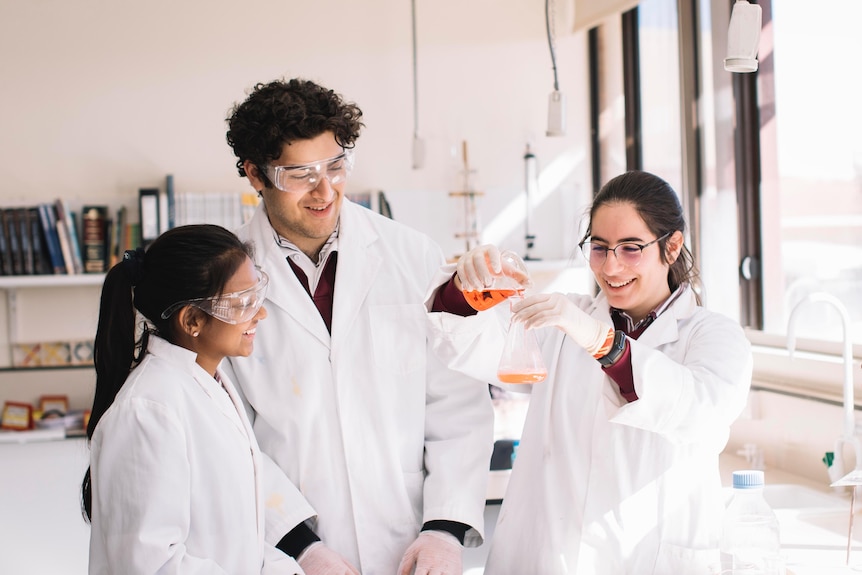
(809, 98)
(660, 90)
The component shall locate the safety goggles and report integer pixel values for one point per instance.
(233, 308)
(306, 177)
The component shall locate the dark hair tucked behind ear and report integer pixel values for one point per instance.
(184, 263)
(659, 207)
(280, 113)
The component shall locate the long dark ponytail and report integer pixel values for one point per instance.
(183, 263)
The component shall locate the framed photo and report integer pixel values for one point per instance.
(17, 416)
(54, 403)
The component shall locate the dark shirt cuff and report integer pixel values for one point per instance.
(450, 299)
(621, 373)
(297, 540)
(459, 530)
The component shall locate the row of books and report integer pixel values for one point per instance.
(44, 239)
(49, 238)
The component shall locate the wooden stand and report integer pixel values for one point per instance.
(470, 231)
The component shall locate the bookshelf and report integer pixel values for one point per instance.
(48, 320)
(45, 308)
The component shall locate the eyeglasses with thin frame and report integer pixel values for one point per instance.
(306, 177)
(627, 253)
(233, 308)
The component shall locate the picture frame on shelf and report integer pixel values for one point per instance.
(17, 416)
(58, 403)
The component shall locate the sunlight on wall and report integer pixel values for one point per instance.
(514, 214)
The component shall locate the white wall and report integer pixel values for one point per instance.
(41, 527)
(793, 434)
(102, 98)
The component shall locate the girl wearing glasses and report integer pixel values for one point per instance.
(617, 469)
(175, 478)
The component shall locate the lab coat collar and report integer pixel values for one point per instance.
(285, 290)
(665, 328)
(358, 261)
(184, 358)
(220, 391)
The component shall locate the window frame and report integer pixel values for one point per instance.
(817, 368)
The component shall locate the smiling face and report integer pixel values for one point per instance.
(306, 219)
(217, 339)
(636, 290)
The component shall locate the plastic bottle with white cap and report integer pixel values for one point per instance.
(750, 540)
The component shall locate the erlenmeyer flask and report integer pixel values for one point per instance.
(521, 361)
(512, 281)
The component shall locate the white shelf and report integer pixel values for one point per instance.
(54, 280)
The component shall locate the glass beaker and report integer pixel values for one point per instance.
(512, 281)
(521, 361)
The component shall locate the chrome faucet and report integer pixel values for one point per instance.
(849, 435)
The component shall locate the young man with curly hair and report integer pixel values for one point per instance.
(388, 446)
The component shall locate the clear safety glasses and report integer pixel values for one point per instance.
(306, 177)
(627, 253)
(233, 308)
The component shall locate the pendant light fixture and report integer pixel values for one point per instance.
(418, 143)
(743, 37)
(556, 100)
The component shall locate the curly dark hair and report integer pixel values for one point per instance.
(282, 112)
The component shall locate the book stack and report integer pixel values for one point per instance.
(40, 240)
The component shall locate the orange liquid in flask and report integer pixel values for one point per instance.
(522, 376)
(485, 299)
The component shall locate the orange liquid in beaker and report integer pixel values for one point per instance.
(482, 300)
(522, 377)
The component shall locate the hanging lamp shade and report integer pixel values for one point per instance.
(743, 37)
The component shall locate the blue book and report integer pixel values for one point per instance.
(170, 197)
(14, 241)
(49, 227)
(41, 258)
(24, 243)
(5, 254)
(64, 214)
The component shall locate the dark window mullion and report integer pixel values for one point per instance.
(747, 161)
(595, 138)
(632, 89)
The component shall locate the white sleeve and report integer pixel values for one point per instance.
(285, 506)
(459, 439)
(689, 399)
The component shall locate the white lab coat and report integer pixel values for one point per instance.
(605, 487)
(377, 435)
(177, 476)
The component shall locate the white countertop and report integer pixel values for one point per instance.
(814, 519)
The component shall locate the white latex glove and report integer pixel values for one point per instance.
(318, 559)
(556, 310)
(433, 553)
(476, 269)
